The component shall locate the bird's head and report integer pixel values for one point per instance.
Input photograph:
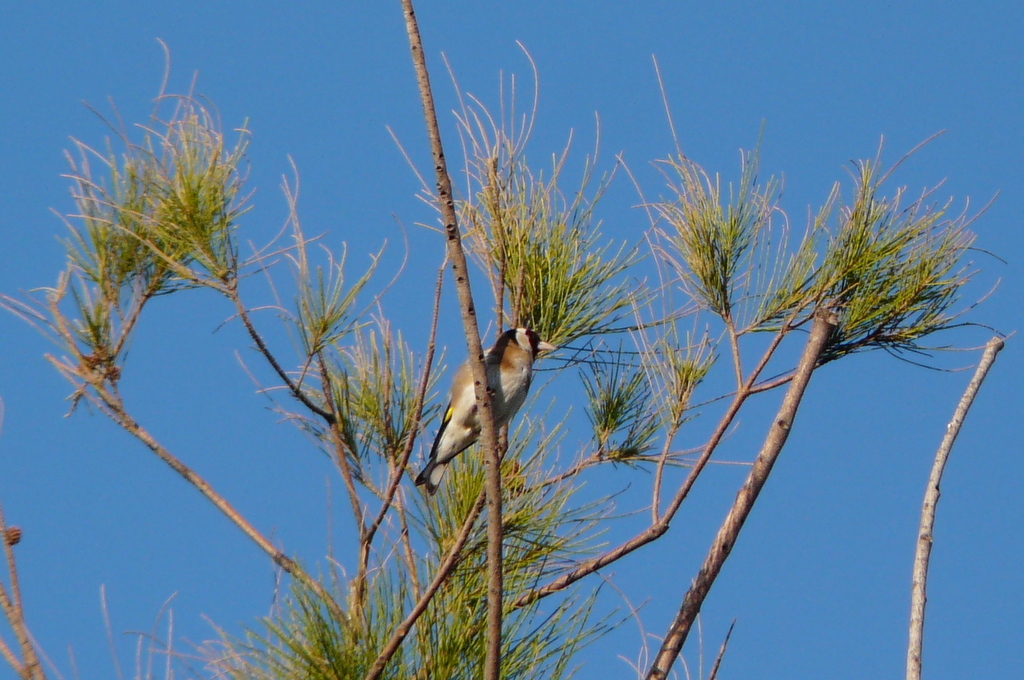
(529, 341)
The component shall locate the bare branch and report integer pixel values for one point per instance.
(659, 471)
(443, 572)
(30, 668)
(721, 652)
(115, 409)
(824, 322)
(918, 592)
(488, 435)
(296, 391)
(5, 650)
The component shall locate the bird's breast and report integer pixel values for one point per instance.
(510, 391)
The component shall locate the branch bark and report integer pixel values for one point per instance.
(115, 409)
(659, 527)
(421, 393)
(918, 592)
(722, 546)
(296, 391)
(443, 572)
(488, 435)
(29, 668)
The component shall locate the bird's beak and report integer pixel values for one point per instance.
(545, 347)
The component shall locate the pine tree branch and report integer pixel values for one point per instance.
(29, 668)
(488, 434)
(114, 408)
(658, 528)
(922, 555)
(296, 391)
(341, 456)
(421, 394)
(443, 571)
(824, 322)
(11, 659)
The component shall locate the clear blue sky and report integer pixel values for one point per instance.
(819, 581)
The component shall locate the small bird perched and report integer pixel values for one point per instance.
(509, 367)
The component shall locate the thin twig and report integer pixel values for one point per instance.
(296, 391)
(659, 470)
(421, 392)
(771, 384)
(734, 344)
(721, 652)
(128, 325)
(407, 551)
(113, 406)
(11, 605)
(824, 322)
(443, 571)
(723, 426)
(341, 455)
(918, 593)
(488, 435)
(658, 529)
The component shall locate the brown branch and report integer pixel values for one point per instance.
(658, 529)
(593, 459)
(488, 435)
(13, 616)
(341, 456)
(114, 408)
(721, 652)
(771, 384)
(918, 593)
(296, 391)
(407, 551)
(107, 399)
(723, 427)
(824, 322)
(421, 394)
(367, 534)
(443, 571)
(648, 535)
(30, 668)
(128, 324)
(18, 667)
(659, 471)
(734, 345)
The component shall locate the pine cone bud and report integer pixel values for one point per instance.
(13, 535)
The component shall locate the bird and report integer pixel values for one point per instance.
(509, 368)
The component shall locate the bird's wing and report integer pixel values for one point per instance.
(440, 430)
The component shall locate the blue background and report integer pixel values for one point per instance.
(819, 581)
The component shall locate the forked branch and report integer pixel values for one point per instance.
(293, 388)
(657, 529)
(824, 322)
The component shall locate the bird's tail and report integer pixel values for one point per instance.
(431, 476)
(433, 471)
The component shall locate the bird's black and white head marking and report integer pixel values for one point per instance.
(529, 341)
